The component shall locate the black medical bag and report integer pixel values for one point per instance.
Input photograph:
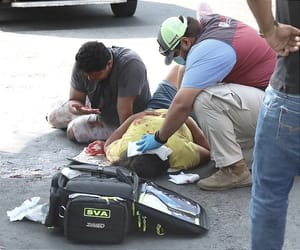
(94, 204)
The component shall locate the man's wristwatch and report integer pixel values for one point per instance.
(156, 137)
(263, 35)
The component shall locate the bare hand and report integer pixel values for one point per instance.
(284, 39)
(151, 112)
(83, 110)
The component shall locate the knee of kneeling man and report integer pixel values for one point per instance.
(57, 121)
(79, 131)
(70, 134)
(51, 118)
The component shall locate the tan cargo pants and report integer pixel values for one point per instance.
(227, 115)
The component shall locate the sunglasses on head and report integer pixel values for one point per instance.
(164, 52)
(168, 51)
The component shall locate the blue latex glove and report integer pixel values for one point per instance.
(147, 142)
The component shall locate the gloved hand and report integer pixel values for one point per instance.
(147, 142)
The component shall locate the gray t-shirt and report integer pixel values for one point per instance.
(128, 78)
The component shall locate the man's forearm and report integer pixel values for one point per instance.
(173, 121)
(262, 11)
(170, 126)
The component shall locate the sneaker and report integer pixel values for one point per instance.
(233, 176)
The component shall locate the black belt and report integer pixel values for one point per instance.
(262, 88)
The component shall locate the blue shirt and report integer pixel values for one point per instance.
(208, 63)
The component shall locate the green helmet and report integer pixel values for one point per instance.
(169, 35)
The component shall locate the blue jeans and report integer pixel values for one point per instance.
(276, 162)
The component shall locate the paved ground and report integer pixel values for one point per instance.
(227, 212)
(35, 66)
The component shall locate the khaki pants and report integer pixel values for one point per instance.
(83, 128)
(227, 115)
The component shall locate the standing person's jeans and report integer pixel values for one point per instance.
(276, 163)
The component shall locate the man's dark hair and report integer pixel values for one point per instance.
(193, 29)
(145, 165)
(92, 56)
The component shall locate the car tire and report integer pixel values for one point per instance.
(124, 9)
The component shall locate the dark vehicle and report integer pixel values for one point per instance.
(120, 8)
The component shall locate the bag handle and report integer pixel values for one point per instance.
(112, 171)
(87, 168)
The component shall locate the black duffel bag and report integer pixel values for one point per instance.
(95, 205)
